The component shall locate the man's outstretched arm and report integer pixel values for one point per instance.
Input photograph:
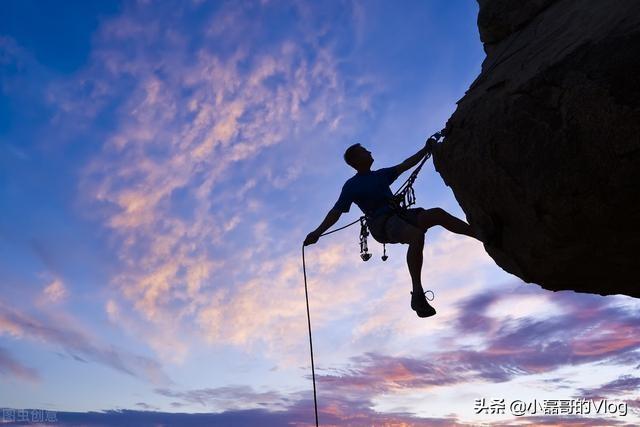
(415, 159)
(411, 161)
(332, 217)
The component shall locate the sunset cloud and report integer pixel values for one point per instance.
(512, 349)
(298, 415)
(10, 367)
(55, 291)
(230, 398)
(188, 125)
(78, 345)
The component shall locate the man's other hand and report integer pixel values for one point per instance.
(311, 238)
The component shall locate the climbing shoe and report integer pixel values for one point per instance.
(420, 305)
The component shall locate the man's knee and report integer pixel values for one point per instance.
(430, 217)
(436, 212)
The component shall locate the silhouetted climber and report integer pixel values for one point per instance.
(370, 191)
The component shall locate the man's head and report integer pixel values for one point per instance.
(358, 157)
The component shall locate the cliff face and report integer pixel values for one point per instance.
(543, 151)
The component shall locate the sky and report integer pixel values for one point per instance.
(160, 166)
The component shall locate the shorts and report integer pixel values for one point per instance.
(397, 229)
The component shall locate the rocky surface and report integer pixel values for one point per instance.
(543, 151)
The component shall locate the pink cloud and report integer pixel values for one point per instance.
(54, 291)
(77, 344)
(511, 348)
(12, 367)
(194, 111)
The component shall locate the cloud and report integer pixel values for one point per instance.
(591, 329)
(453, 269)
(170, 343)
(267, 310)
(191, 159)
(510, 348)
(564, 420)
(229, 398)
(54, 292)
(300, 415)
(249, 407)
(78, 345)
(11, 367)
(373, 374)
(626, 384)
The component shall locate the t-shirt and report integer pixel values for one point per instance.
(369, 190)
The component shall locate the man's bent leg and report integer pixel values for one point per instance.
(400, 231)
(438, 216)
(414, 261)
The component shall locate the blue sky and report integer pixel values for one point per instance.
(160, 165)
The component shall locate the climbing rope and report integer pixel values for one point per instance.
(313, 368)
(402, 199)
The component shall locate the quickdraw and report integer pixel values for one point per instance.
(364, 232)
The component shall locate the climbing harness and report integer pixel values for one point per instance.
(401, 200)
